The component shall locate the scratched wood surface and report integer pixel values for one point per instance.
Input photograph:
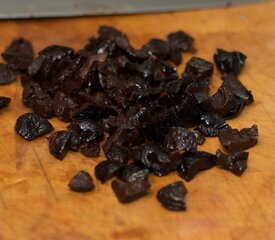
(35, 202)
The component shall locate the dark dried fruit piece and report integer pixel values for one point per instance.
(75, 141)
(197, 70)
(59, 144)
(234, 162)
(199, 137)
(230, 98)
(19, 54)
(4, 102)
(172, 196)
(7, 75)
(136, 171)
(212, 124)
(81, 182)
(32, 125)
(87, 128)
(106, 170)
(194, 162)
(181, 40)
(127, 192)
(90, 149)
(155, 159)
(229, 62)
(234, 140)
(179, 138)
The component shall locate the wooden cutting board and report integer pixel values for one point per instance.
(35, 202)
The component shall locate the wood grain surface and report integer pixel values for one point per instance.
(35, 202)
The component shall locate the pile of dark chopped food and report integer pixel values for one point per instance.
(151, 118)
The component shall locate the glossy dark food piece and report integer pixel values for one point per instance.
(234, 140)
(87, 128)
(7, 75)
(194, 162)
(59, 144)
(90, 149)
(212, 124)
(172, 196)
(75, 141)
(81, 182)
(230, 99)
(4, 102)
(179, 138)
(19, 54)
(197, 70)
(229, 62)
(199, 137)
(155, 159)
(136, 171)
(181, 40)
(32, 125)
(127, 192)
(234, 162)
(106, 170)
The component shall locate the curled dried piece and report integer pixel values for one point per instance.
(229, 62)
(172, 196)
(7, 75)
(19, 54)
(234, 140)
(194, 162)
(81, 182)
(4, 102)
(234, 162)
(230, 98)
(127, 192)
(32, 125)
(106, 170)
(136, 171)
(212, 124)
(59, 143)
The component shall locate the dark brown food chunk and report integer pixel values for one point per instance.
(7, 75)
(230, 99)
(87, 128)
(199, 137)
(197, 70)
(81, 182)
(127, 192)
(234, 140)
(90, 149)
(106, 170)
(194, 162)
(59, 144)
(19, 54)
(155, 159)
(136, 171)
(234, 162)
(229, 62)
(4, 102)
(212, 124)
(32, 125)
(179, 138)
(75, 141)
(172, 196)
